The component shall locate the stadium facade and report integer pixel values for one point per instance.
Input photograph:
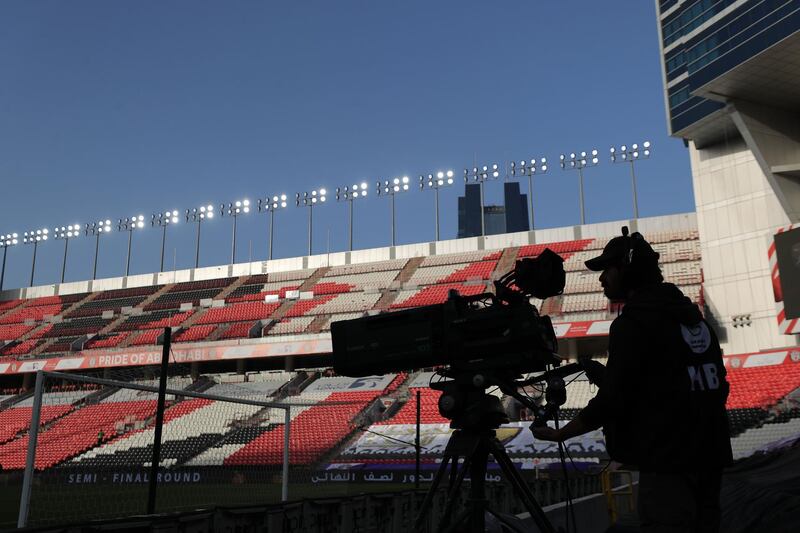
(731, 72)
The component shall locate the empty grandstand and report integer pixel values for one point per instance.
(233, 333)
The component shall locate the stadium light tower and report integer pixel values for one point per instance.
(579, 162)
(9, 239)
(34, 238)
(443, 178)
(480, 175)
(309, 200)
(392, 188)
(271, 205)
(97, 229)
(198, 215)
(234, 209)
(167, 218)
(66, 233)
(625, 154)
(349, 194)
(130, 224)
(530, 169)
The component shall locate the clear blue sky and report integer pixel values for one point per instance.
(109, 109)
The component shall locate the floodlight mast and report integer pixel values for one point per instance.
(309, 200)
(480, 175)
(130, 224)
(66, 233)
(625, 154)
(234, 209)
(442, 178)
(34, 237)
(97, 229)
(349, 194)
(391, 188)
(529, 168)
(9, 239)
(270, 205)
(164, 219)
(579, 162)
(198, 215)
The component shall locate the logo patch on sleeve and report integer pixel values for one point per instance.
(697, 337)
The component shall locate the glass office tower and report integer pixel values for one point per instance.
(731, 71)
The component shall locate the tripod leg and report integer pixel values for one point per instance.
(426, 503)
(528, 500)
(454, 488)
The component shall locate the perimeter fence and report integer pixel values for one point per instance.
(89, 451)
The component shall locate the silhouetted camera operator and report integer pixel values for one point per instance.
(661, 400)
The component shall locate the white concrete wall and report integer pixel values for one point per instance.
(491, 242)
(737, 215)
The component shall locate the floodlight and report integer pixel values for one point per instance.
(442, 178)
(234, 209)
(198, 215)
(310, 199)
(482, 174)
(391, 188)
(164, 219)
(579, 162)
(65, 233)
(530, 168)
(625, 155)
(9, 239)
(34, 237)
(270, 204)
(349, 194)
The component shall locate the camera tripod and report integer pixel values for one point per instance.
(474, 443)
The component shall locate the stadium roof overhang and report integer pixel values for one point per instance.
(770, 79)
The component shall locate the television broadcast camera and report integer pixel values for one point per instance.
(475, 342)
(500, 333)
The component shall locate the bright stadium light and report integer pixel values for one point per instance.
(34, 237)
(198, 215)
(130, 224)
(9, 239)
(66, 233)
(233, 210)
(97, 228)
(164, 219)
(270, 205)
(529, 168)
(309, 200)
(442, 178)
(480, 175)
(392, 188)
(626, 154)
(579, 161)
(349, 193)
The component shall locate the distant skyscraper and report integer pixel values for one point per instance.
(508, 218)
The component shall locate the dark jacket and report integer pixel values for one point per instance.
(662, 401)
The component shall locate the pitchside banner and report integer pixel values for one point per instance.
(388, 441)
(222, 350)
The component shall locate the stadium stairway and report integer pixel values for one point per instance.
(35, 332)
(147, 301)
(506, 262)
(389, 295)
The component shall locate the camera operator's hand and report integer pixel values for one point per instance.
(547, 433)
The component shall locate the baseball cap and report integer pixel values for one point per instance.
(614, 253)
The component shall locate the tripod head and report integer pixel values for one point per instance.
(466, 403)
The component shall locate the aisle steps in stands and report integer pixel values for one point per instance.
(46, 325)
(506, 262)
(147, 301)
